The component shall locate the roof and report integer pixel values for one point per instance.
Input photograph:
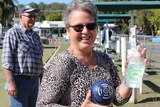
(52, 24)
(127, 5)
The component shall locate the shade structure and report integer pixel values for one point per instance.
(127, 5)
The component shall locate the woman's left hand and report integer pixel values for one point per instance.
(88, 103)
(142, 54)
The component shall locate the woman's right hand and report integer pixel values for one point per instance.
(88, 103)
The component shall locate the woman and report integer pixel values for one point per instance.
(68, 78)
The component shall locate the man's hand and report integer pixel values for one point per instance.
(12, 90)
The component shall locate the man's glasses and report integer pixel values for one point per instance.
(80, 27)
(29, 16)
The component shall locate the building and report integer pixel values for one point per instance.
(50, 28)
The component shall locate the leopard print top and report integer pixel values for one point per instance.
(66, 80)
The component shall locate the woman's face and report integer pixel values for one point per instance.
(82, 30)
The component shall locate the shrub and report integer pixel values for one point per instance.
(44, 40)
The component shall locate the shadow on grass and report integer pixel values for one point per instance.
(151, 68)
(151, 85)
(153, 71)
(152, 99)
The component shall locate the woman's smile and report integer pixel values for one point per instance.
(85, 38)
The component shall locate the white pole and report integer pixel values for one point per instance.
(123, 53)
(106, 41)
(107, 37)
(140, 90)
(118, 46)
(100, 36)
(40, 32)
(133, 98)
(1, 33)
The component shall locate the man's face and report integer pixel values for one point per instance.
(27, 19)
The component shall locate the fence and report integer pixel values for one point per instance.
(153, 53)
(146, 41)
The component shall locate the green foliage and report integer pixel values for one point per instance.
(49, 12)
(54, 17)
(149, 20)
(44, 40)
(141, 20)
(7, 10)
(154, 18)
(125, 28)
(54, 8)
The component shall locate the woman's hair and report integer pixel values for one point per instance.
(84, 5)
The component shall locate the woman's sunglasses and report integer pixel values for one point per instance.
(80, 27)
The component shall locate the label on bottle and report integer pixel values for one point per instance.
(135, 69)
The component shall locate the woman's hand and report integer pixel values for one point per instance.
(87, 102)
(142, 54)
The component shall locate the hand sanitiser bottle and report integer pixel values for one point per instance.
(135, 69)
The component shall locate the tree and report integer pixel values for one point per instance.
(141, 20)
(154, 19)
(149, 20)
(54, 17)
(7, 10)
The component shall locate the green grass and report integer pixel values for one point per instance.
(62, 48)
(47, 53)
(4, 98)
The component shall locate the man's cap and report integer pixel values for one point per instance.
(26, 9)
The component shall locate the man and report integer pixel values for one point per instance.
(22, 60)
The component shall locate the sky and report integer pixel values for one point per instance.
(44, 1)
